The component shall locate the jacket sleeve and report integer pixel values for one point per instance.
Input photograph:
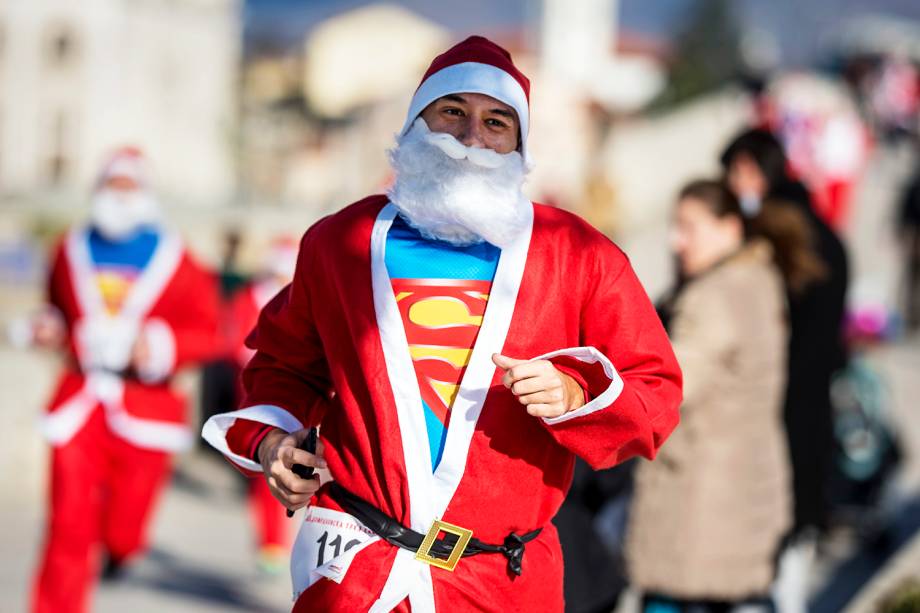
(55, 292)
(286, 383)
(190, 333)
(55, 280)
(197, 329)
(701, 335)
(626, 366)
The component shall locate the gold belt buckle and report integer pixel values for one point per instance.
(463, 538)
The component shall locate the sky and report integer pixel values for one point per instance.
(800, 26)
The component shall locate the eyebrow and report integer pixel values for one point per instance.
(462, 100)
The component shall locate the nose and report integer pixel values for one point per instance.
(472, 133)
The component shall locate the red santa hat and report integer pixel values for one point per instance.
(125, 162)
(476, 66)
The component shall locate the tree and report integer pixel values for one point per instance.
(706, 52)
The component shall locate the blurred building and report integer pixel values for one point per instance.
(318, 117)
(79, 78)
(323, 146)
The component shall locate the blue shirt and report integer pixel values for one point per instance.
(442, 291)
(117, 264)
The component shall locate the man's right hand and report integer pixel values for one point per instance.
(48, 329)
(278, 452)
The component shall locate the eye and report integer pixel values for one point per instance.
(496, 123)
(452, 110)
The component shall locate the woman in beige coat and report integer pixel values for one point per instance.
(710, 512)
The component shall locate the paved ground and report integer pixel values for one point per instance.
(200, 561)
(903, 568)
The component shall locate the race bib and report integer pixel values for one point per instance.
(326, 545)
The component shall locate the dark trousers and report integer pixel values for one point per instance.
(912, 289)
(656, 603)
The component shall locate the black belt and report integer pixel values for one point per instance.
(443, 553)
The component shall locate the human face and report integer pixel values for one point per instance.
(700, 239)
(476, 120)
(121, 206)
(121, 183)
(745, 178)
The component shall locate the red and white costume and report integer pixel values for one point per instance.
(173, 303)
(112, 431)
(241, 316)
(338, 328)
(268, 515)
(332, 348)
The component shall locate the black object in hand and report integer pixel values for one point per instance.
(305, 472)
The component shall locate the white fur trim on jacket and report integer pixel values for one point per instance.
(215, 429)
(431, 493)
(62, 424)
(589, 355)
(148, 433)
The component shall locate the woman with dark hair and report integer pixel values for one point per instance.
(755, 170)
(909, 231)
(755, 164)
(710, 513)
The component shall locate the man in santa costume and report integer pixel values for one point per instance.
(459, 346)
(127, 308)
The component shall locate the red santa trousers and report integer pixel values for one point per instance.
(268, 516)
(102, 492)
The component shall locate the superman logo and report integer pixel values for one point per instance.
(114, 285)
(442, 318)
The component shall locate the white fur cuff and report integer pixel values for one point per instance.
(216, 428)
(588, 355)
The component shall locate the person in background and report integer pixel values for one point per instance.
(708, 517)
(909, 231)
(239, 319)
(219, 386)
(893, 95)
(127, 306)
(755, 169)
(591, 523)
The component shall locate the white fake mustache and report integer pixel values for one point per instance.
(479, 156)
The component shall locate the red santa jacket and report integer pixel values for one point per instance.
(173, 302)
(562, 289)
(240, 317)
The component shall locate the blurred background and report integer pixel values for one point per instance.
(260, 116)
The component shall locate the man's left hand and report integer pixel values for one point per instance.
(544, 390)
(140, 353)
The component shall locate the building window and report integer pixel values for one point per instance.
(58, 162)
(61, 45)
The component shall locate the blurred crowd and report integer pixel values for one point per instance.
(784, 431)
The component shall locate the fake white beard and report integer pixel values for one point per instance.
(455, 193)
(118, 215)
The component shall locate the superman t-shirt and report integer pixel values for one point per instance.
(117, 265)
(441, 290)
